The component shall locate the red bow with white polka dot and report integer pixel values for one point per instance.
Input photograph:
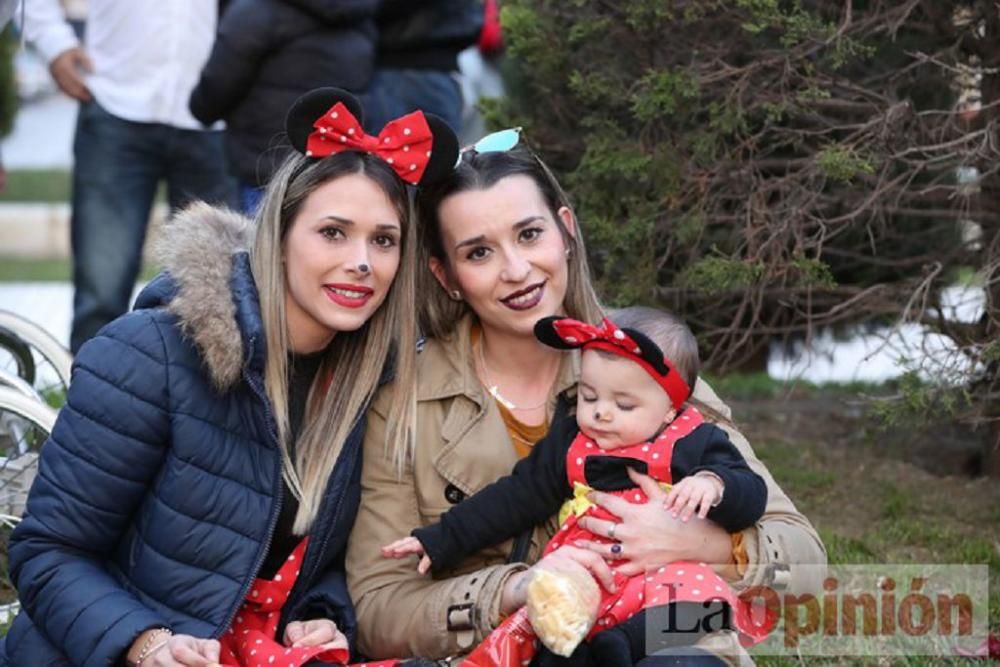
(405, 143)
(610, 338)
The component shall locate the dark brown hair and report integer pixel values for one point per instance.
(480, 171)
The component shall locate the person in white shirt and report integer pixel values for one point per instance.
(133, 77)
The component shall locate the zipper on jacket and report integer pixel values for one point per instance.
(277, 492)
(295, 595)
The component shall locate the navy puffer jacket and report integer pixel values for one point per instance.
(158, 491)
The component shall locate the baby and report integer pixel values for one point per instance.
(631, 415)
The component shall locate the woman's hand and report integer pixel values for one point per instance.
(515, 592)
(176, 651)
(649, 537)
(317, 632)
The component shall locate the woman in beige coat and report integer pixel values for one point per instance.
(504, 250)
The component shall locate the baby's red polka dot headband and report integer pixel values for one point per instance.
(564, 333)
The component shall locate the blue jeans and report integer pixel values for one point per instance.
(396, 92)
(118, 166)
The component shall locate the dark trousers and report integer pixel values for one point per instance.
(118, 167)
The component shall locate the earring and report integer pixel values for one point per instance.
(455, 295)
(569, 253)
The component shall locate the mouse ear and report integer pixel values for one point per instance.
(547, 333)
(648, 350)
(305, 111)
(444, 154)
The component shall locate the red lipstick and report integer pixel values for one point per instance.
(349, 296)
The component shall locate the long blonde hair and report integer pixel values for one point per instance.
(357, 359)
(479, 171)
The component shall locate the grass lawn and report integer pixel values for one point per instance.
(19, 269)
(868, 491)
(45, 185)
(37, 185)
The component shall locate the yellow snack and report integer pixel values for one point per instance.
(562, 606)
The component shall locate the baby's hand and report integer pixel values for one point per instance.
(698, 492)
(408, 546)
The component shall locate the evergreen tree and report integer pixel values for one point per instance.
(766, 167)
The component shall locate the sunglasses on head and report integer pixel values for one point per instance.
(496, 142)
(506, 140)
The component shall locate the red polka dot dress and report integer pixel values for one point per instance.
(251, 640)
(681, 581)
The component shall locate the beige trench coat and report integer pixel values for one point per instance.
(461, 446)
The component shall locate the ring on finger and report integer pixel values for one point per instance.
(611, 531)
(617, 549)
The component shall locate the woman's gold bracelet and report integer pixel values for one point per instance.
(148, 648)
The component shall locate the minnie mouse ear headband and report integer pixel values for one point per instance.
(568, 334)
(419, 147)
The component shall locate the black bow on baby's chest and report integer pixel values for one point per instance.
(610, 473)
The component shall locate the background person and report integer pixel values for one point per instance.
(133, 79)
(417, 58)
(268, 53)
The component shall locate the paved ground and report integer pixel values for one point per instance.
(43, 135)
(48, 304)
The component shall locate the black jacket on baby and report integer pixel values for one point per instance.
(539, 485)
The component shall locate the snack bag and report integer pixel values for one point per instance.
(511, 644)
(562, 606)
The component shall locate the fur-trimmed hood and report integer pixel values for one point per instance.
(206, 282)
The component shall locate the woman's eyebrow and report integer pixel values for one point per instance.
(337, 218)
(347, 222)
(473, 241)
(518, 226)
(521, 224)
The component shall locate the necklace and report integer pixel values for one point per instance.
(524, 441)
(494, 390)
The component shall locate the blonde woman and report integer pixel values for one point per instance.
(194, 501)
(505, 250)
